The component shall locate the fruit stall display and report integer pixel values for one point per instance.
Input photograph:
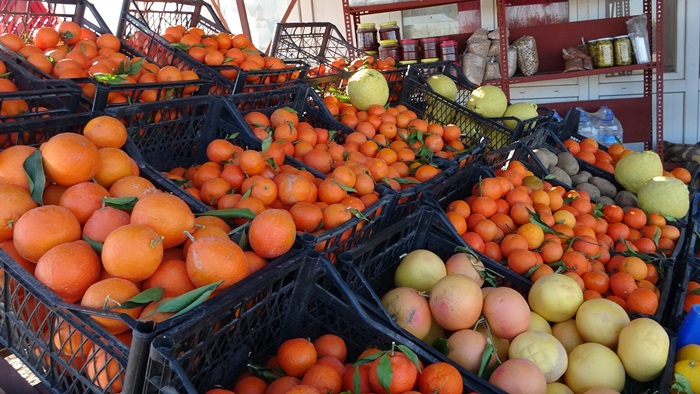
(284, 239)
(108, 70)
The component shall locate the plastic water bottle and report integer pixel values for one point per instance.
(608, 127)
(585, 126)
(689, 331)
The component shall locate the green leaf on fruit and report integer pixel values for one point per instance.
(143, 298)
(485, 359)
(385, 372)
(121, 203)
(188, 301)
(358, 214)
(110, 79)
(368, 359)
(96, 246)
(232, 213)
(549, 177)
(695, 292)
(656, 236)
(681, 384)
(410, 355)
(332, 134)
(404, 181)
(180, 46)
(34, 168)
(570, 199)
(532, 270)
(344, 186)
(669, 218)
(266, 373)
(356, 380)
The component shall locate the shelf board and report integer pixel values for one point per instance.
(396, 6)
(547, 76)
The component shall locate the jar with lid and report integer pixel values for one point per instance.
(430, 47)
(448, 50)
(622, 48)
(593, 52)
(604, 53)
(389, 31)
(430, 60)
(409, 49)
(389, 48)
(367, 37)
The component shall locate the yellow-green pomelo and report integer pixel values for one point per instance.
(594, 365)
(366, 88)
(636, 168)
(643, 349)
(419, 269)
(443, 85)
(665, 195)
(522, 111)
(600, 320)
(558, 388)
(538, 323)
(542, 349)
(567, 333)
(555, 297)
(488, 101)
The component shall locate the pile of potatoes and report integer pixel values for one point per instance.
(567, 169)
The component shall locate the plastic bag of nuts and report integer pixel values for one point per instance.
(528, 61)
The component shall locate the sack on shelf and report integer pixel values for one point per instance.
(479, 46)
(493, 34)
(512, 60)
(495, 48)
(473, 67)
(479, 34)
(528, 61)
(493, 69)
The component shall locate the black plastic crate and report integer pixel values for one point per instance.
(85, 14)
(36, 324)
(176, 134)
(248, 327)
(316, 44)
(188, 13)
(469, 121)
(42, 98)
(140, 24)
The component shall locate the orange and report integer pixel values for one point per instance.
(533, 234)
(404, 374)
(272, 233)
(16, 201)
(165, 213)
(325, 378)
(440, 377)
(642, 300)
(132, 252)
(105, 132)
(250, 385)
(622, 284)
(42, 228)
(45, 38)
(521, 261)
(108, 293)
(70, 158)
(296, 356)
(172, 276)
(82, 199)
(68, 269)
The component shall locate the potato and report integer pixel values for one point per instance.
(626, 199)
(606, 187)
(561, 176)
(581, 177)
(606, 200)
(592, 191)
(568, 163)
(547, 158)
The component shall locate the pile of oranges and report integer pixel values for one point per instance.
(11, 108)
(224, 49)
(155, 242)
(320, 367)
(71, 51)
(341, 63)
(536, 232)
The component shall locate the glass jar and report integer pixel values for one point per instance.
(622, 48)
(430, 60)
(604, 53)
(448, 50)
(408, 62)
(409, 49)
(389, 31)
(389, 48)
(367, 37)
(430, 47)
(593, 52)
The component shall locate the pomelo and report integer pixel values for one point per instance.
(366, 88)
(443, 85)
(419, 269)
(522, 111)
(636, 168)
(665, 195)
(643, 349)
(542, 349)
(488, 101)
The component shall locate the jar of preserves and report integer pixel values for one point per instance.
(367, 37)
(622, 49)
(448, 50)
(430, 60)
(430, 47)
(604, 53)
(389, 31)
(389, 48)
(593, 52)
(409, 49)
(407, 62)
